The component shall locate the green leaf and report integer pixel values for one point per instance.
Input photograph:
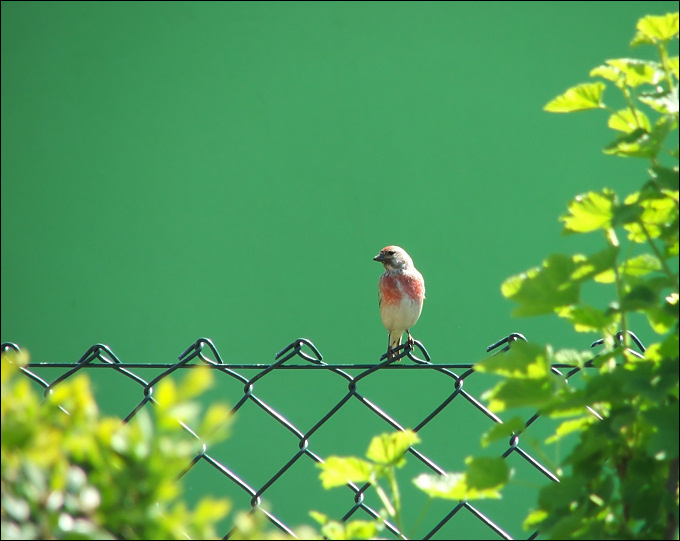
(594, 265)
(453, 486)
(636, 144)
(609, 73)
(338, 471)
(640, 265)
(627, 121)
(652, 29)
(389, 449)
(665, 177)
(659, 214)
(577, 98)
(572, 425)
(449, 487)
(664, 421)
(516, 393)
(503, 430)
(661, 101)
(638, 72)
(543, 289)
(586, 318)
(640, 143)
(361, 529)
(589, 212)
(674, 63)
(524, 361)
(486, 473)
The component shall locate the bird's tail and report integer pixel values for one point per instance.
(394, 341)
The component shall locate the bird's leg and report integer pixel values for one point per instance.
(390, 353)
(411, 341)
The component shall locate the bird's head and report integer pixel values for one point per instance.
(394, 258)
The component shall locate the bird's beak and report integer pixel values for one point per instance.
(380, 257)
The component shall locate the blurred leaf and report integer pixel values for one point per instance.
(653, 29)
(641, 143)
(361, 529)
(197, 381)
(338, 471)
(586, 318)
(640, 265)
(216, 423)
(524, 360)
(503, 430)
(515, 393)
(543, 289)
(665, 177)
(638, 72)
(609, 73)
(627, 121)
(589, 212)
(661, 101)
(486, 473)
(389, 449)
(577, 98)
(453, 486)
(659, 213)
(572, 425)
(664, 420)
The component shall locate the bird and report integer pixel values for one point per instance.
(401, 291)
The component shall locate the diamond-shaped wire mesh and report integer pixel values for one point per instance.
(289, 450)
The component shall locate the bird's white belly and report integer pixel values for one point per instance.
(401, 316)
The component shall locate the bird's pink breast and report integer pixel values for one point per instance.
(393, 288)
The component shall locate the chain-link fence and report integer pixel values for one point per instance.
(299, 443)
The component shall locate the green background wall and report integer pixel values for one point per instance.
(228, 170)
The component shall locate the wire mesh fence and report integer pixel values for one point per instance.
(300, 442)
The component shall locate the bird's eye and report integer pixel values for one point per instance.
(390, 252)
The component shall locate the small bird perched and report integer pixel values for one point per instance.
(401, 291)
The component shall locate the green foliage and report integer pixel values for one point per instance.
(622, 476)
(77, 475)
(482, 479)
(384, 455)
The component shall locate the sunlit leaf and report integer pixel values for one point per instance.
(589, 212)
(653, 29)
(641, 143)
(627, 121)
(609, 73)
(449, 487)
(454, 486)
(659, 213)
(361, 529)
(338, 471)
(524, 361)
(389, 449)
(570, 426)
(196, 383)
(543, 289)
(515, 393)
(638, 72)
(590, 267)
(640, 265)
(578, 98)
(661, 101)
(216, 422)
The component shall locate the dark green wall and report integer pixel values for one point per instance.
(228, 170)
